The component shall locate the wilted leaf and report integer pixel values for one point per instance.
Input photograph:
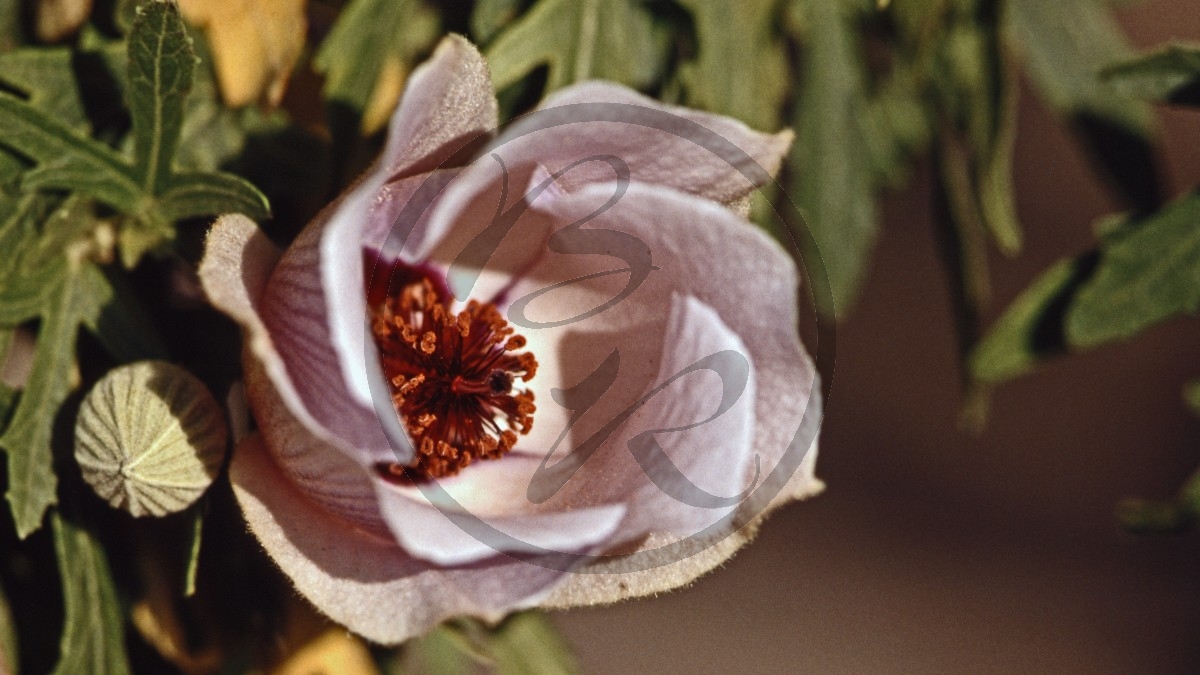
(830, 163)
(578, 40)
(741, 69)
(1151, 272)
(93, 639)
(255, 44)
(1171, 75)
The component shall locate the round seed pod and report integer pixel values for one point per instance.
(150, 438)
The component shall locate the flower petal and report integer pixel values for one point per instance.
(484, 510)
(447, 104)
(369, 584)
(237, 259)
(709, 155)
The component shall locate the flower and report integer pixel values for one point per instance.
(482, 307)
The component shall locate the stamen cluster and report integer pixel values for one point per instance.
(452, 379)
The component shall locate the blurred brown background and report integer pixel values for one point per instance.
(936, 551)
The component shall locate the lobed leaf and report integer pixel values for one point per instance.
(76, 296)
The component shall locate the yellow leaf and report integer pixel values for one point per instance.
(333, 652)
(255, 44)
(56, 19)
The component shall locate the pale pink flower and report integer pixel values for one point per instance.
(320, 484)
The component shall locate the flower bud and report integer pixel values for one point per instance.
(150, 438)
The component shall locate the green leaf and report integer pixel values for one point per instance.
(367, 34)
(1171, 75)
(76, 297)
(831, 160)
(528, 643)
(741, 69)
(122, 325)
(161, 62)
(93, 639)
(579, 40)
(1066, 44)
(523, 644)
(45, 76)
(9, 657)
(1030, 329)
(200, 194)
(1148, 274)
(66, 159)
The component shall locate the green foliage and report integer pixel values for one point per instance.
(72, 296)
(578, 40)
(489, 16)
(49, 80)
(149, 191)
(831, 160)
(1148, 273)
(1170, 75)
(741, 69)
(1066, 44)
(1026, 332)
(93, 639)
(367, 33)
(161, 62)
(524, 644)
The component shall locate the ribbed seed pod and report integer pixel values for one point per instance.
(150, 438)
